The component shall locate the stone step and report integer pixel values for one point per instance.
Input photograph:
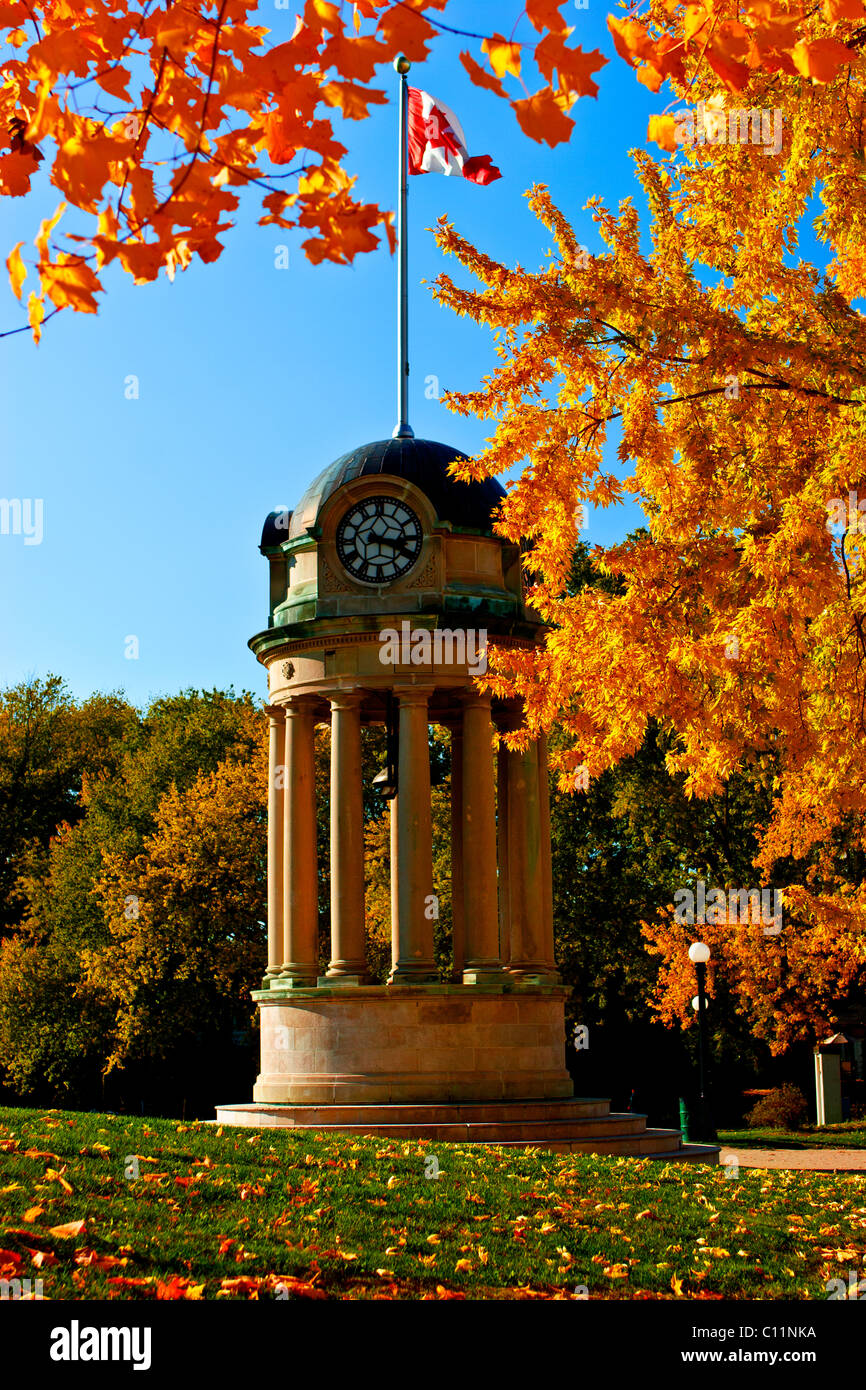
(458, 1112)
(580, 1125)
(494, 1131)
(692, 1153)
(655, 1144)
(645, 1143)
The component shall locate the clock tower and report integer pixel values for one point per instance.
(387, 587)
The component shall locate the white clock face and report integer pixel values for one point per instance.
(379, 539)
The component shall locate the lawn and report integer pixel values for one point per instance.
(851, 1135)
(226, 1213)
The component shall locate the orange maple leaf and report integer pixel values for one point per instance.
(481, 77)
(353, 100)
(17, 269)
(842, 9)
(545, 14)
(404, 31)
(542, 118)
(16, 171)
(661, 130)
(69, 1230)
(35, 314)
(631, 40)
(573, 66)
(504, 56)
(70, 284)
(821, 59)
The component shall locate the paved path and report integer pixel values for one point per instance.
(819, 1160)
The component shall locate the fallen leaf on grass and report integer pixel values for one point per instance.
(97, 1261)
(33, 1213)
(67, 1231)
(43, 1259)
(51, 1175)
(299, 1287)
(176, 1287)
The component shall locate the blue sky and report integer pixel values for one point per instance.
(251, 380)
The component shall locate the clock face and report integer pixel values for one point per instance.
(379, 539)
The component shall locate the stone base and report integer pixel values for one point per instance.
(576, 1125)
(381, 1044)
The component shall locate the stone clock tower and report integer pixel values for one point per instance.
(386, 584)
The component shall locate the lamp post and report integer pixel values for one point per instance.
(699, 954)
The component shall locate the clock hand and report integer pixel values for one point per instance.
(400, 549)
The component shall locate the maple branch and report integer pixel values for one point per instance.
(189, 168)
(34, 21)
(123, 52)
(147, 115)
(25, 327)
(447, 28)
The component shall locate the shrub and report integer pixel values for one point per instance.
(783, 1108)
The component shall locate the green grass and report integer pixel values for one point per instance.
(850, 1135)
(237, 1214)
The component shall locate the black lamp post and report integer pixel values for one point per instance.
(699, 954)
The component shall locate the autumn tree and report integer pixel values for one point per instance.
(49, 748)
(709, 372)
(154, 121)
(129, 773)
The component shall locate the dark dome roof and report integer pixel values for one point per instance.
(420, 461)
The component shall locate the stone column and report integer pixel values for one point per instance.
(348, 953)
(546, 853)
(479, 842)
(528, 957)
(300, 885)
(276, 805)
(412, 960)
(504, 854)
(457, 912)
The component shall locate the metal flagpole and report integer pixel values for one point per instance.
(403, 430)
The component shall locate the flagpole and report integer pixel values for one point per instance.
(403, 430)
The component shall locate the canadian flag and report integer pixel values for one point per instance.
(437, 144)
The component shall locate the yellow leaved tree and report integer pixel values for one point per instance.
(710, 372)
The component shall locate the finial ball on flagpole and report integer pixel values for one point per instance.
(402, 64)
